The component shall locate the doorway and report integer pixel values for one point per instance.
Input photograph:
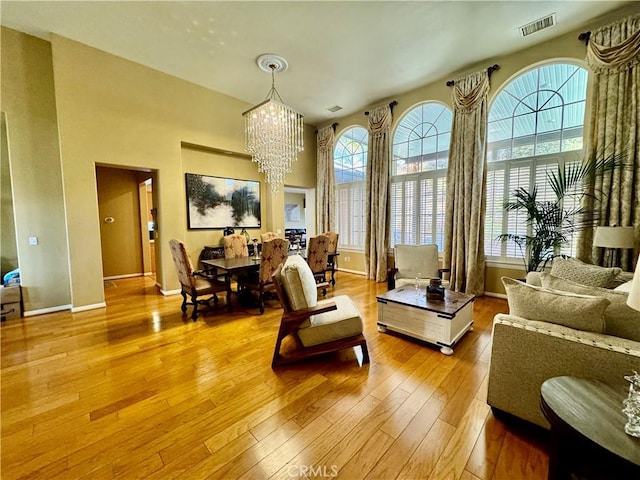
(300, 209)
(126, 209)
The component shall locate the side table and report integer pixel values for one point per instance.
(587, 430)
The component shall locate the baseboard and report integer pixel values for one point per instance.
(357, 272)
(129, 275)
(88, 307)
(494, 294)
(42, 311)
(166, 293)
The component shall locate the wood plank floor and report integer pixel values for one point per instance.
(136, 390)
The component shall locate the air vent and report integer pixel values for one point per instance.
(541, 24)
(335, 108)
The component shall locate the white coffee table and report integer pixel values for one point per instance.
(441, 322)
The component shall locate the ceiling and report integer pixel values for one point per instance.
(351, 54)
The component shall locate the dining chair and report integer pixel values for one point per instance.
(268, 236)
(235, 246)
(194, 283)
(317, 255)
(274, 253)
(332, 258)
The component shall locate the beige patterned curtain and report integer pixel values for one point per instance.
(326, 180)
(464, 222)
(376, 197)
(613, 55)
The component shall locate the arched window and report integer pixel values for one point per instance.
(350, 168)
(535, 123)
(419, 174)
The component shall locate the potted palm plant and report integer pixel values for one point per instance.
(550, 222)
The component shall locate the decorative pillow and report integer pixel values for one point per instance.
(580, 312)
(583, 273)
(620, 319)
(299, 284)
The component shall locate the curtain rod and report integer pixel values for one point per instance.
(333, 125)
(391, 105)
(584, 37)
(490, 70)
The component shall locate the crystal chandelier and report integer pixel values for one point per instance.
(273, 131)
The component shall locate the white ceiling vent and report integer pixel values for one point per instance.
(335, 108)
(541, 24)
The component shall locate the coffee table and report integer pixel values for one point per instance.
(441, 322)
(587, 430)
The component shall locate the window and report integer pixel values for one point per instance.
(350, 168)
(535, 123)
(419, 175)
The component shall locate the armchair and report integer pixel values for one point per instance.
(194, 283)
(413, 261)
(312, 327)
(274, 253)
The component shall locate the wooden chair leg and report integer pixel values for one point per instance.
(184, 301)
(365, 352)
(194, 314)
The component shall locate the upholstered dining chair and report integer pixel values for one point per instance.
(194, 283)
(310, 327)
(235, 246)
(332, 258)
(274, 253)
(317, 255)
(415, 261)
(268, 236)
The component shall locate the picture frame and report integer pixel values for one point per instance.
(292, 212)
(219, 202)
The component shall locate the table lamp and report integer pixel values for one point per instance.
(613, 238)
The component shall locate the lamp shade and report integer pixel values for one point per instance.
(634, 294)
(613, 237)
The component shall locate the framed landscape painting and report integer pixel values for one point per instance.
(216, 202)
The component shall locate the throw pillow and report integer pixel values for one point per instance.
(298, 282)
(584, 273)
(620, 319)
(581, 312)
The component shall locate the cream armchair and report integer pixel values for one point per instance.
(308, 326)
(415, 261)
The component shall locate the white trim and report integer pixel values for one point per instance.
(169, 292)
(42, 311)
(357, 272)
(129, 275)
(88, 307)
(496, 295)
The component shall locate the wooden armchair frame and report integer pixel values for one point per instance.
(290, 323)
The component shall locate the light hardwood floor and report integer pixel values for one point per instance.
(134, 390)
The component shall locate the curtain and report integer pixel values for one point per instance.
(613, 55)
(464, 219)
(325, 193)
(377, 194)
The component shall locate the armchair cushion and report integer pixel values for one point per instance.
(299, 285)
(620, 319)
(584, 273)
(581, 312)
(343, 322)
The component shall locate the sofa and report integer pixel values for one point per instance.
(574, 322)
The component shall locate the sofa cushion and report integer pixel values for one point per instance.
(343, 322)
(580, 312)
(299, 284)
(620, 319)
(584, 273)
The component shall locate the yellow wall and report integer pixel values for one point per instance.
(112, 112)
(27, 94)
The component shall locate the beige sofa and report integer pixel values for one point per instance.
(600, 341)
